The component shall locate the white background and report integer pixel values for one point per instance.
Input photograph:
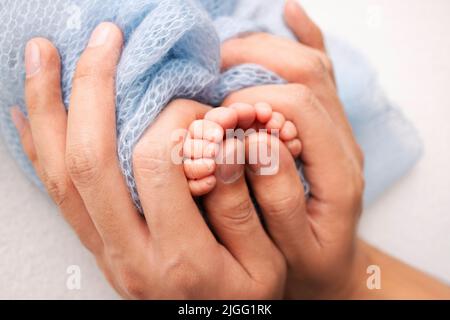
(409, 43)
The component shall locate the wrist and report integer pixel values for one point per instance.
(345, 283)
(357, 277)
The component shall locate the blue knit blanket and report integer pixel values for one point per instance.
(172, 50)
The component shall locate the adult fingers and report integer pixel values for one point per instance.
(279, 194)
(295, 62)
(24, 130)
(48, 123)
(307, 33)
(303, 27)
(233, 216)
(91, 156)
(171, 214)
(47, 114)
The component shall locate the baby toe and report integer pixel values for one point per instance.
(263, 112)
(288, 131)
(295, 147)
(227, 118)
(207, 130)
(246, 114)
(196, 149)
(276, 122)
(203, 186)
(199, 168)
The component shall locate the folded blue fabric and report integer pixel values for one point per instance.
(172, 50)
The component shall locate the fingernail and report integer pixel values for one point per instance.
(18, 118)
(229, 173)
(100, 35)
(230, 170)
(32, 58)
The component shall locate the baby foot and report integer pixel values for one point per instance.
(202, 146)
(205, 140)
(262, 116)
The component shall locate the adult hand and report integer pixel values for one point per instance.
(316, 235)
(171, 253)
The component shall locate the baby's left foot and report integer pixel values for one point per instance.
(203, 145)
(262, 116)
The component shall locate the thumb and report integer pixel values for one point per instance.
(234, 219)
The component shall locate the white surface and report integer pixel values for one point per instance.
(409, 43)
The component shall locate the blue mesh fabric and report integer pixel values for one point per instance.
(172, 50)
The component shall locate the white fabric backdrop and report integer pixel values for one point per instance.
(409, 43)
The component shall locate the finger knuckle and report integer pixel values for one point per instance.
(132, 283)
(353, 189)
(83, 163)
(181, 273)
(150, 159)
(237, 214)
(315, 67)
(283, 208)
(56, 185)
(94, 69)
(326, 62)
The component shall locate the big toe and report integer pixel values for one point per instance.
(227, 118)
(246, 114)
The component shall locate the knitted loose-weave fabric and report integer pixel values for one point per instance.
(172, 50)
